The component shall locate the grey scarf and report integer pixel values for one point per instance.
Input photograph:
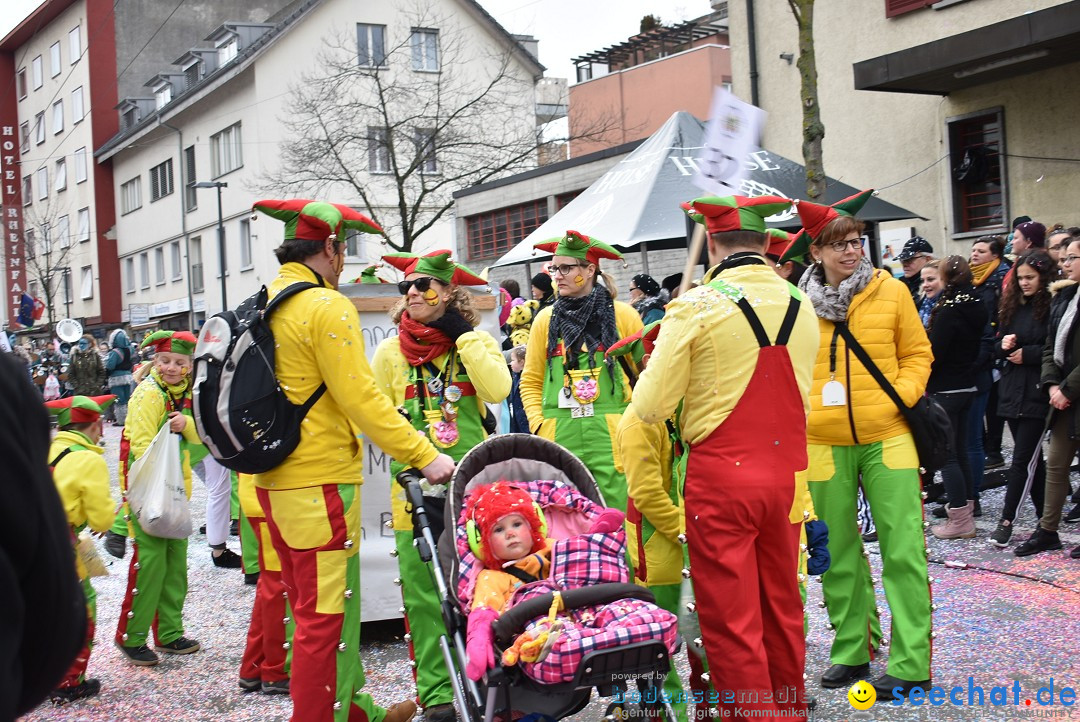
(831, 303)
(1063, 331)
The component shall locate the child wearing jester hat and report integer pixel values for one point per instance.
(157, 577)
(82, 479)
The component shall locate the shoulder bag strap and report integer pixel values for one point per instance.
(866, 361)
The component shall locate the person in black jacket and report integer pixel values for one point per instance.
(1022, 321)
(989, 268)
(1061, 379)
(43, 613)
(955, 331)
(915, 254)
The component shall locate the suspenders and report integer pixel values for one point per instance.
(759, 330)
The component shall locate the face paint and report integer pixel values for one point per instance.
(431, 297)
(579, 280)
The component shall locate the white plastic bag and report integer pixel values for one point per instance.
(156, 490)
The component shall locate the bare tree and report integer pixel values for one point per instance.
(813, 128)
(49, 247)
(401, 126)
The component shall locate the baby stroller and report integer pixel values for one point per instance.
(508, 692)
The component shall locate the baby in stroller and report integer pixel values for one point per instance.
(508, 557)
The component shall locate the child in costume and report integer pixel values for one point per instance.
(507, 533)
(157, 577)
(82, 479)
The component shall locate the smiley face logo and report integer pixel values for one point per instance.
(862, 695)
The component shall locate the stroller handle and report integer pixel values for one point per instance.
(410, 479)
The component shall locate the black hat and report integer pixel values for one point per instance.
(1018, 220)
(543, 282)
(917, 246)
(646, 284)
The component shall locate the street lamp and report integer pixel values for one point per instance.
(220, 235)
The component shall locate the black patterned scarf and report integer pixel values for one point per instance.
(588, 320)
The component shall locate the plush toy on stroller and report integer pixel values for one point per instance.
(540, 569)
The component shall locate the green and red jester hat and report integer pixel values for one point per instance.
(638, 345)
(815, 217)
(579, 246)
(368, 275)
(308, 220)
(734, 213)
(181, 342)
(436, 264)
(79, 409)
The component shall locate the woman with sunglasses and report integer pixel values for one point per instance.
(441, 370)
(857, 436)
(571, 393)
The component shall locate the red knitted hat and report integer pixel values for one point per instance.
(484, 508)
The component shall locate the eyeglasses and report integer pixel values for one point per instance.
(563, 269)
(1070, 259)
(422, 284)
(633, 288)
(840, 246)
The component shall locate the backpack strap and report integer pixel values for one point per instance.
(64, 453)
(285, 294)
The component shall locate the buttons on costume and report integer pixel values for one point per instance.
(397, 581)
(681, 538)
(348, 544)
(705, 677)
(407, 637)
(286, 645)
(342, 647)
(348, 594)
(130, 615)
(686, 572)
(698, 642)
(389, 524)
(691, 607)
(286, 620)
(337, 705)
(134, 591)
(393, 552)
(136, 566)
(124, 636)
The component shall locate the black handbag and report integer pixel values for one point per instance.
(928, 421)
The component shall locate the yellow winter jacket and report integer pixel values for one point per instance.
(318, 339)
(147, 412)
(82, 478)
(533, 375)
(886, 323)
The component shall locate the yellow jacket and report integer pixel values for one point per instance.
(147, 412)
(82, 478)
(886, 323)
(707, 352)
(318, 339)
(533, 375)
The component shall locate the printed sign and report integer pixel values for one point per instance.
(732, 134)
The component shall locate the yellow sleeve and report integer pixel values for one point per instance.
(913, 353)
(665, 380)
(97, 501)
(531, 386)
(627, 323)
(388, 369)
(493, 589)
(483, 359)
(344, 368)
(646, 457)
(146, 414)
(190, 432)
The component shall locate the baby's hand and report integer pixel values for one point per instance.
(608, 521)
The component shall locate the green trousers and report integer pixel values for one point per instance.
(157, 587)
(249, 545)
(424, 617)
(890, 479)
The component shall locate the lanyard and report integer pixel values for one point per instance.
(832, 351)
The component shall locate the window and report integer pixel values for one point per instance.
(225, 152)
(129, 118)
(82, 219)
(192, 75)
(67, 285)
(131, 195)
(22, 83)
(177, 261)
(31, 248)
(34, 289)
(227, 50)
(352, 244)
(86, 284)
(144, 270)
(75, 44)
(195, 258)
(161, 181)
(42, 183)
(496, 232)
(163, 96)
(63, 231)
(371, 45)
(424, 138)
(39, 128)
(245, 244)
(978, 188)
(78, 111)
(54, 59)
(58, 117)
(46, 239)
(191, 193)
(564, 198)
(27, 190)
(378, 150)
(129, 274)
(36, 71)
(80, 165)
(159, 265)
(425, 49)
(24, 136)
(61, 175)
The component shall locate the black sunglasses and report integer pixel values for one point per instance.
(422, 284)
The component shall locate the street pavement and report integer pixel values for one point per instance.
(1000, 620)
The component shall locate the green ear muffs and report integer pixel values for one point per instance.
(473, 534)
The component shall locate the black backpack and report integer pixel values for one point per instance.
(241, 412)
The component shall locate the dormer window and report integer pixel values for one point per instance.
(192, 75)
(129, 117)
(227, 49)
(162, 95)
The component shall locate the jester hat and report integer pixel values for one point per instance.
(316, 220)
(486, 505)
(779, 240)
(436, 264)
(181, 342)
(734, 213)
(797, 248)
(637, 345)
(79, 409)
(815, 216)
(368, 275)
(579, 246)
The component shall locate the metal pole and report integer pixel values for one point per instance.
(221, 248)
(67, 292)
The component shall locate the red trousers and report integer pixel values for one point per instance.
(265, 654)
